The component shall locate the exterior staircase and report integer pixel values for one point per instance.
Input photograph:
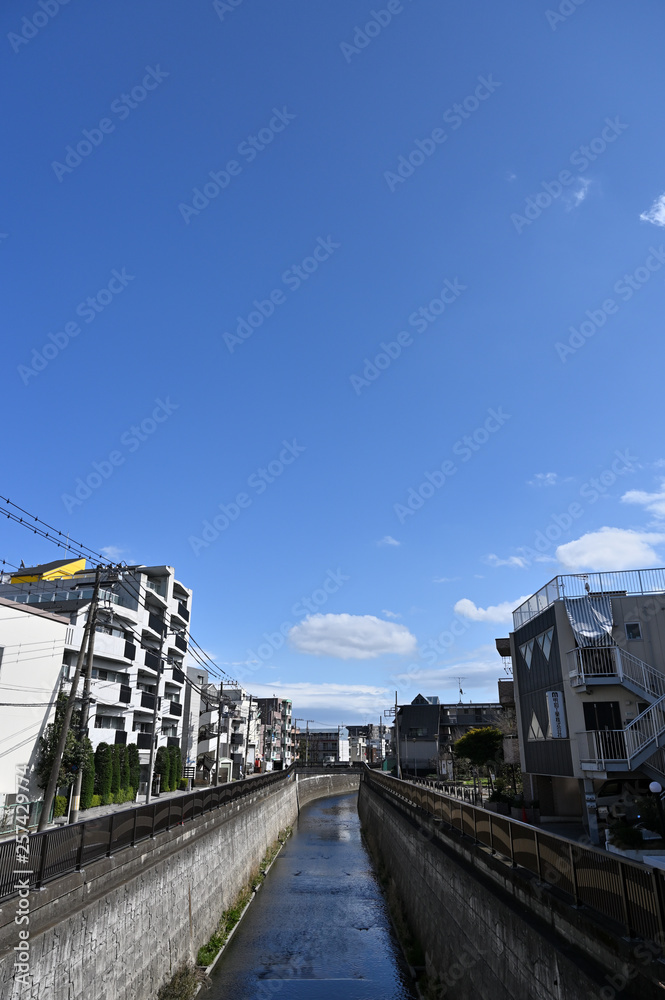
(640, 743)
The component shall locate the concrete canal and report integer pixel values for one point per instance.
(319, 926)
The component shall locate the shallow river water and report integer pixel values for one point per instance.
(318, 928)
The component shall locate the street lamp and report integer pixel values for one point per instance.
(657, 789)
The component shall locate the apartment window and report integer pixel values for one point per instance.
(108, 675)
(109, 722)
(633, 630)
(417, 731)
(142, 727)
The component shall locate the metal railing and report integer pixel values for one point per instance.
(590, 663)
(638, 581)
(629, 746)
(626, 892)
(70, 848)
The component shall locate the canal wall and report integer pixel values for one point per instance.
(487, 929)
(120, 929)
(317, 786)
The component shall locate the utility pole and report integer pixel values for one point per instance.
(219, 733)
(307, 741)
(153, 734)
(52, 786)
(249, 719)
(399, 766)
(85, 712)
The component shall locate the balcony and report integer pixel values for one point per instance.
(237, 739)
(157, 624)
(173, 708)
(626, 582)
(143, 740)
(182, 611)
(152, 661)
(613, 665)
(148, 701)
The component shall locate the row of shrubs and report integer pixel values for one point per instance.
(111, 774)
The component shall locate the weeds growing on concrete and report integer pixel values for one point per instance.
(182, 986)
(229, 918)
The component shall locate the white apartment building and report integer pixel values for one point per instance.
(239, 733)
(141, 640)
(32, 647)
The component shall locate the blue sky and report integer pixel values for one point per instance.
(261, 236)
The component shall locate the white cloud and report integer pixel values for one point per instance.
(446, 579)
(496, 613)
(112, 552)
(390, 614)
(351, 637)
(578, 194)
(338, 702)
(653, 502)
(388, 540)
(519, 561)
(543, 479)
(611, 549)
(656, 214)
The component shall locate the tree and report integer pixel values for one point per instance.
(125, 774)
(103, 772)
(134, 766)
(115, 763)
(481, 746)
(162, 768)
(76, 751)
(88, 783)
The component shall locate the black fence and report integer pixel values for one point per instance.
(70, 848)
(629, 894)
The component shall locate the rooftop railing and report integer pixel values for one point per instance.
(622, 583)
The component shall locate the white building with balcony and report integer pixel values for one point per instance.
(588, 653)
(141, 640)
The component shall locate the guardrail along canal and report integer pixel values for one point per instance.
(319, 926)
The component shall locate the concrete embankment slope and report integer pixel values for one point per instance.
(489, 930)
(119, 929)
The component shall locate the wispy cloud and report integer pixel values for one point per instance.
(543, 479)
(653, 502)
(336, 701)
(390, 614)
(656, 214)
(388, 540)
(578, 194)
(446, 579)
(518, 562)
(112, 552)
(611, 549)
(496, 613)
(351, 637)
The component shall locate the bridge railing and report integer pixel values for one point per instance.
(628, 893)
(70, 848)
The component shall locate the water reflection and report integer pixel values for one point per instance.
(319, 928)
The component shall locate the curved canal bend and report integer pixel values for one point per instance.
(319, 927)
